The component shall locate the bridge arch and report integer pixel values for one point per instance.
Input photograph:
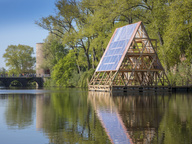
(2, 83)
(34, 80)
(16, 83)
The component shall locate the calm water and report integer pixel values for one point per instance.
(78, 116)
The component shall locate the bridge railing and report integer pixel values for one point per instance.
(26, 75)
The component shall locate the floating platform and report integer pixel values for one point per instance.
(108, 88)
(182, 88)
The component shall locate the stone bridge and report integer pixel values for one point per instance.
(23, 80)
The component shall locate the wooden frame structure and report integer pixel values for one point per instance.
(138, 69)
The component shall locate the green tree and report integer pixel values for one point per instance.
(63, 70)
(53, 50)
(19, 58)
(2, 71)
(178, 33)
(86, 27)
(67, 25)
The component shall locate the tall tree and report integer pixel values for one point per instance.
(86, 26)
(2, 71)
(68, 24)
(19, 58)
(63, 70)
(178, 33)
(53, 50)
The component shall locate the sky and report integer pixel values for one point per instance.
(17, 23)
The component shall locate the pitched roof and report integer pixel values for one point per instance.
(117, 47)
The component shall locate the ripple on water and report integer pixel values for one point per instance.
(23, 91)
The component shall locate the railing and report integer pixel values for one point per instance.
(26, 75)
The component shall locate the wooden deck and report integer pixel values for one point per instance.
(108, 88)
(182, 88)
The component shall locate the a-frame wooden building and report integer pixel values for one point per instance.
(130, 62)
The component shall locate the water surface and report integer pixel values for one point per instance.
(60, 116)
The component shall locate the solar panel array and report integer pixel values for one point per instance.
(116, 48)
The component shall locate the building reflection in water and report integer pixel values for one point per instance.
(39, 112)
(42, 111)
(128, 118)
(108, 114)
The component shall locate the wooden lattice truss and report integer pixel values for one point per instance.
(140, 67)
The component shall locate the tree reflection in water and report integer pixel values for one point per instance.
(68, 118)
(147, 117)
(20, 111)
(73, 116)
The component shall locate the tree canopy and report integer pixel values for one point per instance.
(19, 59)
(86, 26)
(2, 71)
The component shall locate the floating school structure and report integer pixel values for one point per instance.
(130, 62)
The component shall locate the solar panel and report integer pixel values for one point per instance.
(116, 48)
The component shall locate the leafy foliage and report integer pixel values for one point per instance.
(86, 26)
(2, 71)
(19, 59)
(85, 78)
(53, 51)
(62, 71)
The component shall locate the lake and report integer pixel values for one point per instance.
(57, 116)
